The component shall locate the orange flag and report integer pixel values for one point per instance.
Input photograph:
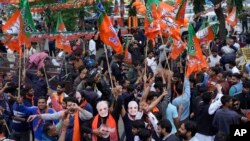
(177, 48)
(180, 16)
(196, 60)
(231, 18)
(107, 32)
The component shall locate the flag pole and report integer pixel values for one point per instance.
(146, 53)
(19, 77)
(106, 55)
(45, 74)
(164, 49)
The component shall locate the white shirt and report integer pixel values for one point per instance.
(216, 104)
(92, 47)
(226, 50)
(214, 60)
(235, 70)
(237, 45)
(152, 63)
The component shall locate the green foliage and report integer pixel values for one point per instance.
(132, 9)
(198, 6)
(238, 4)
(170, 2)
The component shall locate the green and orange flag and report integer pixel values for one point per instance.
(196, 61)
(60, 42)
(180, 16)
(27, 27)
(106, 30)
(207, 34)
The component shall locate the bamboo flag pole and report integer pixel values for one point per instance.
(106, 54)
(45, 74)
(146, 53)
(19, 77)
(164, 50)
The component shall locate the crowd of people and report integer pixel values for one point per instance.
(151, 94)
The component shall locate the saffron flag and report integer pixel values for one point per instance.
(196, 60)
(207, 34)
(27, 26)
(231, 18)
(177, 48)
(60, 42)
(151, 22)
(180, 16)
(12, 26)
(107, 32)
(169, 27)
(128, 57)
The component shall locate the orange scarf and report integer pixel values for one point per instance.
(83, 104)
(110, 122)
(76, 130)
(59, 98)
(40, 120)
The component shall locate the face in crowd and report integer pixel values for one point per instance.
(102, 108)
(132, 108)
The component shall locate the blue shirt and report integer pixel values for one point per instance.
(19, 126)
(39, 86)
(184, 99)
(172, 113)
(33, 111)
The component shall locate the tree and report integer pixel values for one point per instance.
(219, 12)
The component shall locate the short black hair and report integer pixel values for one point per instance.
(72, 99)
(165, 124)
(225, 99)
(236, 75)
(191, 126)
(138, 124)
(62, 84)
(42, 71)
(246, 84)
(206, 97)
(144, 134)
(42, 97)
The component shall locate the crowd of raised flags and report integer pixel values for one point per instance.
(135, 84)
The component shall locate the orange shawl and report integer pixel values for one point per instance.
(110, 122)
(76, 130)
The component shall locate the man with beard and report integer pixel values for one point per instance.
(225, 116)
(74, 113)
(236, 87)
(187, 131)
(37, 124)
(164, 130)
(244, 97)
(21, 128)
(59, 95)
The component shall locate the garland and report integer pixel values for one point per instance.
(53, 7)
(66, 36)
